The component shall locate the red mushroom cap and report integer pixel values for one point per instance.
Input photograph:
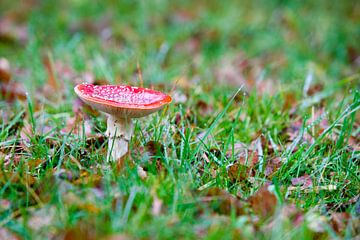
(122, 101)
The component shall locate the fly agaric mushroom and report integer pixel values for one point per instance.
(121, 103)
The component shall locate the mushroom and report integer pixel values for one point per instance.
(121, 104)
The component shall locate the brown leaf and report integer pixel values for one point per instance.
(120, 236)
(272, 165)
(290, 101)
(204, 108)
(178, 119)
(12, 31)
(238, 172)
(34, 163)
(354, 143)
(339, 221)
(89, 207)
(12, 90)
(293, 131)
(263, 202)
(243, 167)
(238, 149)
(316, 88)
(12, 159)
(152, 151)
(5, 75)
(87, 178)
(81, 231)
(221, 201)
(304, 181)
(96, 140)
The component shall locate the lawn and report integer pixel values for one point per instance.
(261, 140)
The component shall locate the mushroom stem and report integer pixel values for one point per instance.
(119, 131)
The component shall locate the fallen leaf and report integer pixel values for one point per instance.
(151, 153)
(34, 163)
(5, 75)
(313, 89)
(236, 151)
(120, 236)
(178, 119)
(243, 167)
(12, 160)
(12, 32)
(272, 165)
(354, 143)
(204, 108)
(353, 55)
(89, 207)
(82, 230)
(221, 201)
(304, 181)
(339, 221)
(290, 101)
(263, 202)
(95, 140)
(238, 172)
(87, 178)
(12, 90)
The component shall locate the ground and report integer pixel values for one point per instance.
(261, 140)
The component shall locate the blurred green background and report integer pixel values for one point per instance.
(186, 38)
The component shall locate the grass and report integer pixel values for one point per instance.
(277, 77)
